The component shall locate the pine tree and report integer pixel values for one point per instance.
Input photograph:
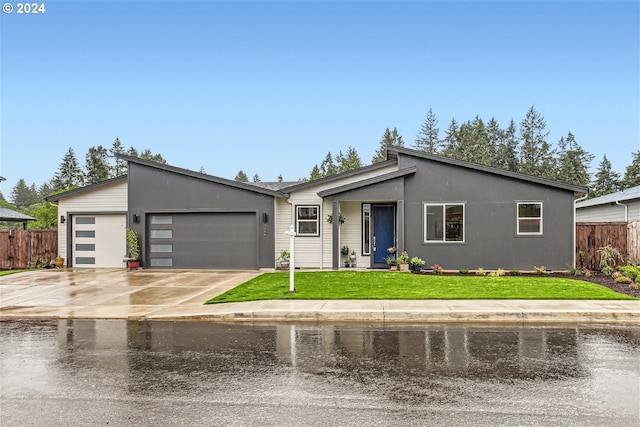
(495, 142)
(148, 155)
(96, 165)
(119, 166)
(44, 190)
(573, 162)
(328, 167)
(507, 157)
(428, 139)
(632, 172)
(536, 156)
(606, 180)
(69, 174)
(241, 177)
(256, 178)
(350, 161)
(315, 173)
(280, 179)
(389, 138)
(23, 195)
(451, 139)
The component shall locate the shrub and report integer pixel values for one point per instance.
(624, 280)
(632, 271)
(515, 273)
(587, 273)
(582, 257)
(464, 271)
(500, 272)
(480, 272)
(608, 256)
(403, 258)
(417, 262)
(437, 268)
(540, 270)
(633, 286)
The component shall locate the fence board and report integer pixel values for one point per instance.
(591, 236)
(633, 230)
(18, 248)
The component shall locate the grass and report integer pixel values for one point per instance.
(7, 272)
(390, 285)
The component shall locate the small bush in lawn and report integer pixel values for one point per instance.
(624, 280)
(515, 273)
(480, 272)
(464, 271)
(632, 271)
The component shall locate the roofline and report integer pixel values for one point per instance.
(90, 187)
(19, 218)
(609, 198)
(393, 151)
(199, 175)
(369, 181)
(339, 176)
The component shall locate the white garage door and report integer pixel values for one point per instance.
(98, 240)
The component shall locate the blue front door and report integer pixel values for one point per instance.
(384, 232)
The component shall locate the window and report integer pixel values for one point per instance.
(444, 222)
(529, 218)
(366, 229)
(161, 234)
(162, 219)
(307, 220)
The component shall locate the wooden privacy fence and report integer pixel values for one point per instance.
(18, 248)
(591, 236)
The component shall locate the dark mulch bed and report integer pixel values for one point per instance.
(609, 282)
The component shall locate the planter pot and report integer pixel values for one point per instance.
(403, 267)
(133, 264)
(59, 263)
(416, 268)
(284, 264)
(393, 268)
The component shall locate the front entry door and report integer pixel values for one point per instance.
(384, 233)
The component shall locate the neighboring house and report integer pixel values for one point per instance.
(622, 206)
(9, 215)
(454, 213)
(92, 221)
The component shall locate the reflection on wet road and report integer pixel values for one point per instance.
(201, 373)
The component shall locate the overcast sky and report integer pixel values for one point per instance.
(271, 87)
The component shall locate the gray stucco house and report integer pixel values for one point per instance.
(454, 213)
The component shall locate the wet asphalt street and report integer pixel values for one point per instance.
(137, 373)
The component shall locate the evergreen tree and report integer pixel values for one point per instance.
(256, 178)
(536, 155)
(132, 152)
(119, 166)
(280, 179)
(44, 190)
(350, 161)
(388, 138)
(428, 139)
(69, 174)
(23, 195)
(495, 142)
(328, 167)
(606, 180)
(241, 177)
(573, 162)
(507, 157)
(148, 155)
(201, 170)
(632, 172)
(315, 173)
(451, 139)
(96, 165)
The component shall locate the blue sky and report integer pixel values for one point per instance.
(271, 87)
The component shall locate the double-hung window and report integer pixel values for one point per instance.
(308, 220)
(443, 222)
(529, 218)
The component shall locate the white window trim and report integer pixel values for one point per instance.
(366, 234)
(444, 235)
(525, 233)
(317, 221)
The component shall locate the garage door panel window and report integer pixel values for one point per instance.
(529, 218)
(161, 262)
(85, 247)
(164, 247)
(85, 260)
(85, 233)
(307, 220)
(161, 234)
(85, 220)
(162, 219)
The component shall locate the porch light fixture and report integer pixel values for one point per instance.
(62, 219)
(136, 218)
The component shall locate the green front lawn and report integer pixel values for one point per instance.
(390, 285)
(6, 272)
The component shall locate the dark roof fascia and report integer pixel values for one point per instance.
(392, 152)
(203, 176)
(626, 195)
(369, 181)
(339, 176)
(90, 187)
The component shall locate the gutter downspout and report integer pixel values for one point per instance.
(575, 202)
(626, 210)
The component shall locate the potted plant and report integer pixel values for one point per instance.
(59, 262)
(416, 264)
(403, 261)
(392, 263)
(344, 250)
(437, 269)
(133, 249)
(284, 258)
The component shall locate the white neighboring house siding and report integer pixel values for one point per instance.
(108, 199)
(609, 213)
(316, 252)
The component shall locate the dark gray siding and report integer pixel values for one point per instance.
(200, 204)
(491, 240)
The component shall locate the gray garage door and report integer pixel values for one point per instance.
(226, 240)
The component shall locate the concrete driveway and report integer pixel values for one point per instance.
(180, 295)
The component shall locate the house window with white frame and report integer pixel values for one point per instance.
(443, 222)
(529, 221)
(308, 220)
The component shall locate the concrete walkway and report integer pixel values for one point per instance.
(180, 294)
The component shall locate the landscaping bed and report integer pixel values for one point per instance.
(609, 282)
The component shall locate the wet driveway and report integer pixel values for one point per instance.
(139, 373)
